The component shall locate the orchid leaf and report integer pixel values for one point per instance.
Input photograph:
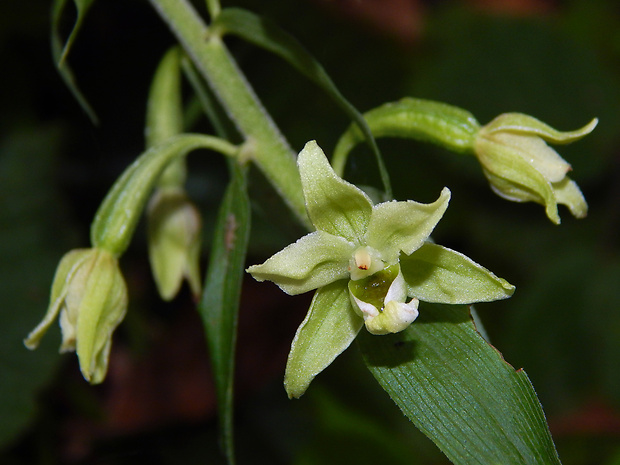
(458, 390)
(61, 49)
(220, 303)
(268, 35)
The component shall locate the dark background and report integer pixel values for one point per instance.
(555, 60)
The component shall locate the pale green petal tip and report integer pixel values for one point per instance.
(315, 260)
(520, 123)
(65, 272)
(89, 296)
(296, 384)
(333, 204)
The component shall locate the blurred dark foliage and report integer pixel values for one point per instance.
(556, 60)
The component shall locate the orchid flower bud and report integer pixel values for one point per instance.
(521, 167)
(90, 295)
(174, 229)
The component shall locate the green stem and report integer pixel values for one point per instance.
(271, 152)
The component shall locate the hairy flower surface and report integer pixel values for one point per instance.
(370, 264)
(520, 166)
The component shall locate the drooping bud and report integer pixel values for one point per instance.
(90, 295)
(174, 228)
(521, 167)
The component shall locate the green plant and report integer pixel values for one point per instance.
(369, 256)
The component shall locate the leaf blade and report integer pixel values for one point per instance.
(459, 391)
(268, 35)
(220, 303)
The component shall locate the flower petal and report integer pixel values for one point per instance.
(568, 193)
(513, 178)
(329, 328)
(536, 152)
(65, 272)
(313, 261)
(519, 123)
(334, 205)
(102, 308)
(404, 226)
(440, 275)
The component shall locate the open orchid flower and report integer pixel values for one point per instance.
(369, 263)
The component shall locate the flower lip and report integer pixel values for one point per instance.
(381, 301)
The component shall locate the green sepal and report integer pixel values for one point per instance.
(174, 234)
(567, 193)
(519, 123)
(316, 259)
(434, 273)
(102, 307)
(404, 226)
(90, 296)
(424, 120)
(513, 178)
(521, 167)
(328, 329)
(333, 204)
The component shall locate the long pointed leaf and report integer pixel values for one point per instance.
(60, 49)
(458, 390)
(220, 302)
(268, 35)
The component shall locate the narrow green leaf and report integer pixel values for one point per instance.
(458, 390)
(268, 35)
(220, 302)
(60, 49)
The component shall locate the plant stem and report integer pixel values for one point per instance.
(271, 152)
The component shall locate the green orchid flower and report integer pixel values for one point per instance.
(370, 264)
(521, 167)
(89, 296)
